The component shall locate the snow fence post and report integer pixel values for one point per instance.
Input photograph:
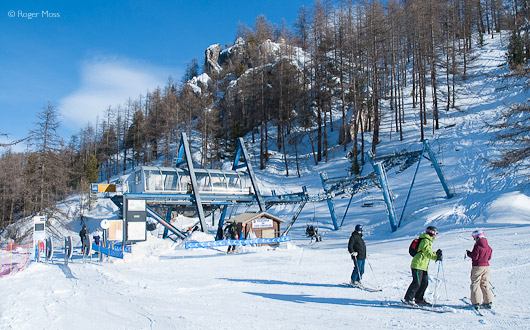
(10, 255)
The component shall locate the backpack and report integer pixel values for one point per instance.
(413, 248)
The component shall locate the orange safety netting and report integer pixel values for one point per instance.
(14, 258)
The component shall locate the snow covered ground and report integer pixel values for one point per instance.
(296, 286)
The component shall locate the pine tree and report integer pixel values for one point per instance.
(515, 55)
(50, 167)
(91, 168)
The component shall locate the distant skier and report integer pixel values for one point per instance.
(419, 266)
(231, 233)
(97, 236)
(480, 270)
(357, 249)
(82, 235)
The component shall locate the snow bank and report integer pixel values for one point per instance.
(512, 208)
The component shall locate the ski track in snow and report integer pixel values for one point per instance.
(297, 286)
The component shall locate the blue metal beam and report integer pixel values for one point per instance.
(411, 185)
(221, 222)
(166, 224)
(331, 206)
(383, 181)
(242, 151)
(168, 220)
(195, 186)
(436, 165)
(347, 208)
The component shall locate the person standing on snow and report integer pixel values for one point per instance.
(419, 266)
(97, 236)
(82, 234)
(231, 233)
(480, 270)
(357, 249)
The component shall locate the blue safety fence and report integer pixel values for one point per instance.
(115, 251)
(237, 242)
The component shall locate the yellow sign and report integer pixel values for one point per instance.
(106, 187)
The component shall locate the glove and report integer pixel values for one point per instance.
(439, 256)
(354, 254)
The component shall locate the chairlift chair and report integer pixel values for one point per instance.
(312, 231)
(367, 199)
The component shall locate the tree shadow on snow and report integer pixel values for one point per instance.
(303, 298)
(276, 282)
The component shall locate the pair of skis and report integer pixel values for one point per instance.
(435, 309)
(360, 287)
(442, 308)
(480, 310)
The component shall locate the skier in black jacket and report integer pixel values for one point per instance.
(84, 239)
(82, 234)
(357, 249)
(231, 233)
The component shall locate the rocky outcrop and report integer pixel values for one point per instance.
(269, 48)
(211, 62)
(234, 52)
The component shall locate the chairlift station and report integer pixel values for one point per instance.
(186, 189)
(157, 191)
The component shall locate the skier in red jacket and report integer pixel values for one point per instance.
(480, 271)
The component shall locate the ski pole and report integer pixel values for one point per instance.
(436, 286)
(373, 273)
(356, 264)
(445, 282)
(492, 288)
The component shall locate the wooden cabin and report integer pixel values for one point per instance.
(263, 224)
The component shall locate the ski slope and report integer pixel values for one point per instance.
(160, 285)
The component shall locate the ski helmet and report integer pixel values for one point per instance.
(359, 228)
(477, 234)
(431, 230)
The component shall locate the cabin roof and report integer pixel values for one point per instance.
(249, 216)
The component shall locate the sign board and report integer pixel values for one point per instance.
(262, 223)
(102, 187)
(238, 242)
(39, 228)
(136, 231)
(106, 187)
(105, 224)
(136, 205)
(135, 217)
(115, 230)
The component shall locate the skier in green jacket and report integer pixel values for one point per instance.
(419, 266)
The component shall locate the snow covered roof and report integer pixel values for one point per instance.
(249, 216)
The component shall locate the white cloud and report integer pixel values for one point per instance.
(107, 82)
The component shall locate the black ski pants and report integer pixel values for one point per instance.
(416, 290)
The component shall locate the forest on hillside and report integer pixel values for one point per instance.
(352, 58)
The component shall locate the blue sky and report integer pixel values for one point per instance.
(83, 56)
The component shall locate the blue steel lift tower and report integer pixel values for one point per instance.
(337, 186)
